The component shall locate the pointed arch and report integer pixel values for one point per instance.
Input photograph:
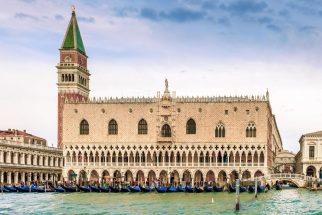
(251, 130)
(142, 127)
(166, 130)
(220, 130)
(112, 127)
(191, 126)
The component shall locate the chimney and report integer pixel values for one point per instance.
(24, 130)
(9, 129)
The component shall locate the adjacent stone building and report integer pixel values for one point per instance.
(173, 138)
(309, 158)
(25, 158)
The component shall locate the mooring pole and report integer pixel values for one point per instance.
(255, 187)
(237, 194)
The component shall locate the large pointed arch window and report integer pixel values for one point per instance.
(142, 127)
(84, 127)
(220, 130)
(251, 130)
(166, 130)
(112, 127)
(191, 127)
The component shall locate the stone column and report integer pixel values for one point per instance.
(163, 160)
(9, 177)
(16, 177)
(1, 177)
(1, 156)
(8, 158)
(157, 160)
(23, 176)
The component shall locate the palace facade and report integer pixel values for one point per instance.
(309, 158)
(26, 158)
(166, 137)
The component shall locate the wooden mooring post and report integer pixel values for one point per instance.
(237, 195)
(256, 184)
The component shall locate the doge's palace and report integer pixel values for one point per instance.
(168, 137)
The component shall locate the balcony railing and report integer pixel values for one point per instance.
(26, 145)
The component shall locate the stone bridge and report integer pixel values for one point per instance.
(298, 179)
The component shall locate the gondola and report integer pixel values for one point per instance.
(105, 189)
(145, 189)
(124, 190)
(95, 189)
(181, 189)
(198, 189)
(251, 189)
(114, 189)
(10, 188)
(85, 189)
(70, 189)
(208, 189)
(278, 187)
(162, 189)
(33, 188)
(42, 189)
(59, 189)
(189, 189)
(260, 188)
(242, 189)
(22, 188)
(232, 189)
(135, 189)
(4, 190)
(172, 189)
(218, 189)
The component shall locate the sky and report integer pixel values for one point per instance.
(204, 48)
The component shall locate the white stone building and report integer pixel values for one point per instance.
(309, 158)
(26, 158)
(172, 138)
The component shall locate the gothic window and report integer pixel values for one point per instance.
(84, 127)
(166, 130)
(220, 130)
(311, 152)
(251, 130)
(73, 77)
(191, 127)
(142, 127)
(112, 127)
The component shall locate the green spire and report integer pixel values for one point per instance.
(73, 38)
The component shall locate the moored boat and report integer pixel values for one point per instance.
(4, 190)
(198, 189)
(278, 187)
(85, 188)
(70, 189)
(172, 189)
(22, 188)
(189, 189)
(95, 189)
(33, 188)
(161, 189)
(59, 189)
(10, 188)
(114, 189)
(146, 189)
(260, 188)
(124, 190)
(135, 189)
(232, 189)
(251, 189)
(218, 189)
(208, 189)
(105, 189)
(242, 189)
(181, 189)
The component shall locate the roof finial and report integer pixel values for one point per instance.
(267, 94)
(73, 8)
(166, 84)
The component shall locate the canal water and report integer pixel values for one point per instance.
(291, 201)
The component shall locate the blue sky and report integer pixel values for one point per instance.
(202, 47)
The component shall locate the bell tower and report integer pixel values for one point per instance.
(73, 75)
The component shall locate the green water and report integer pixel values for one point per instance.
(292, 201)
